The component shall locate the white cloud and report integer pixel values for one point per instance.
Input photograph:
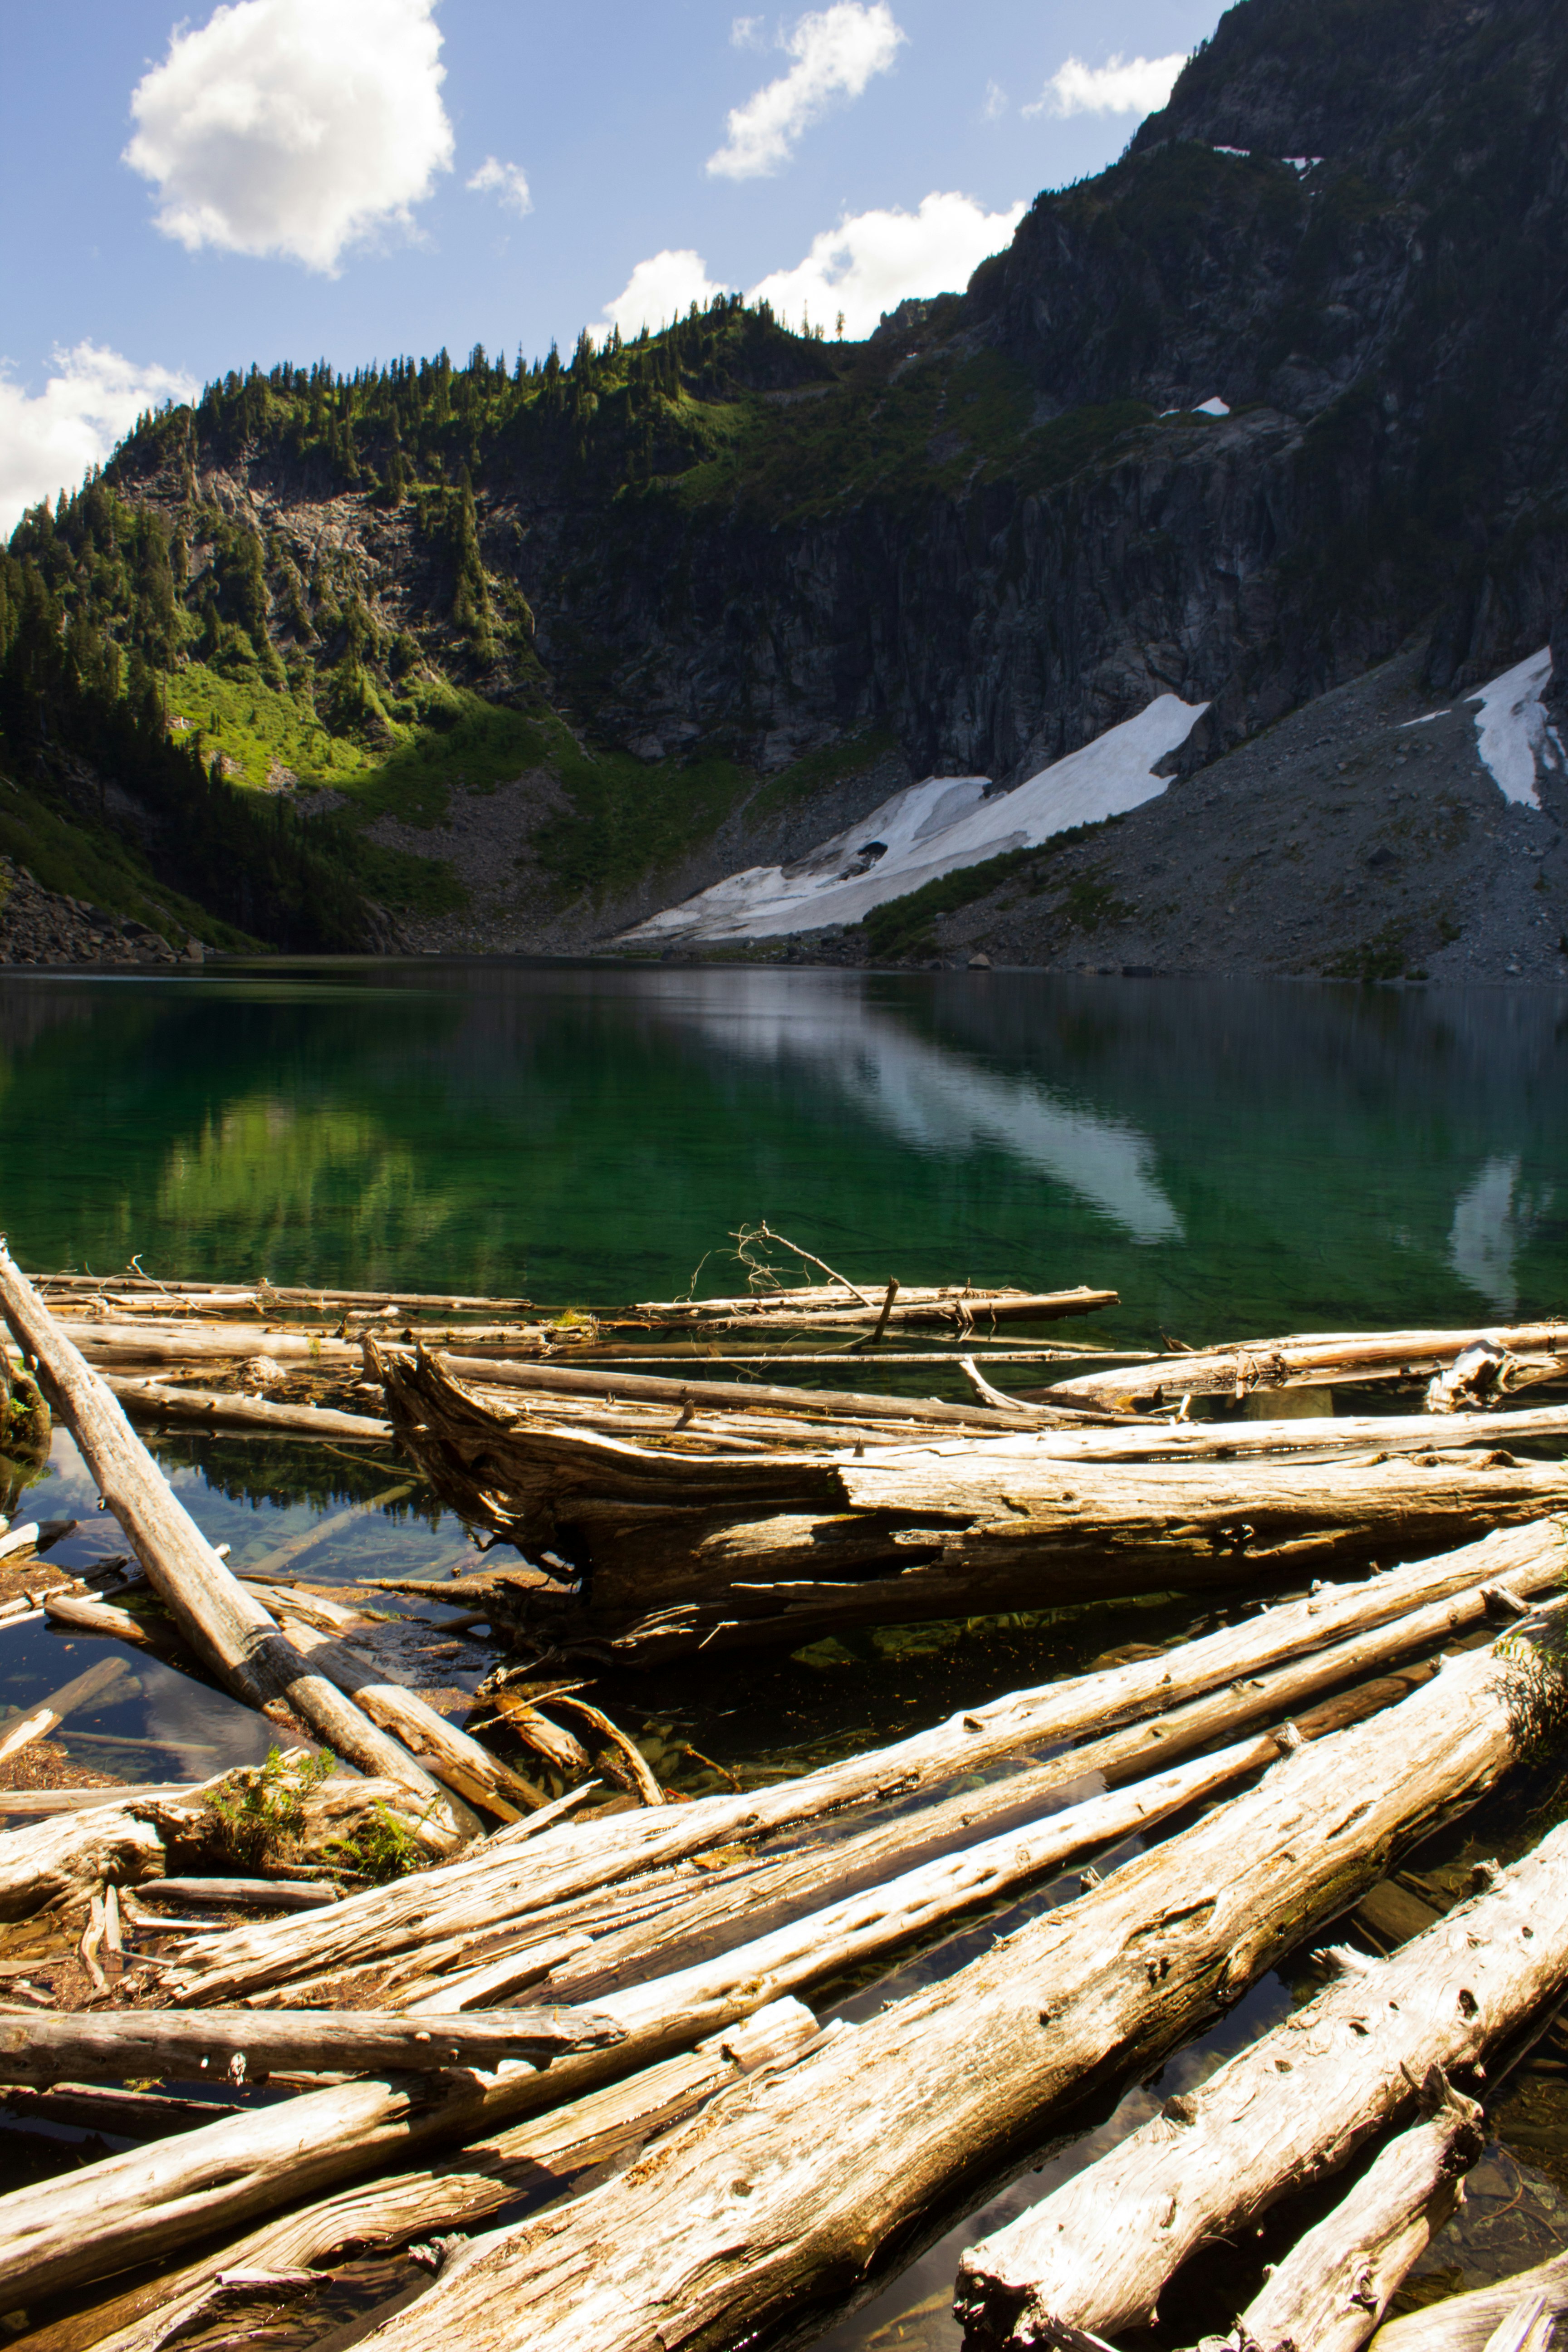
(49, 440)
(746, 33)
(508, 180)
(294, 127)
(875, 260)
(837, 52)
(1121, 86)
(659, 290)
(995, 101)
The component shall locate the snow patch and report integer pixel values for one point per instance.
(1302, 164)
(1512, 730)
(931, 829)
(1425, 719)
(1214, 406)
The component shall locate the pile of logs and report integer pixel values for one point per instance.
(675, 2080)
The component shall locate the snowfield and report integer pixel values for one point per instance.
(1513, 730)
(931, 829)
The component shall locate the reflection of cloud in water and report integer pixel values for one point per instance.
(936, 1098)
(1492, 1220)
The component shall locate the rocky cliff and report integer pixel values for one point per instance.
(556, 646)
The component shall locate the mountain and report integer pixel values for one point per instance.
(524, 655)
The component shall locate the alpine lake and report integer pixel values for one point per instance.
(1237, 1160)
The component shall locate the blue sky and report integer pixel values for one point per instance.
(349, 179)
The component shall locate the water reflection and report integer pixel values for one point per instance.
(1233, 1158)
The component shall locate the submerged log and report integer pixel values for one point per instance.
(247, 2046)
(505, 1881)
(784, 2194)
(226, 1625)
(1335, 2284)
(46, 1714)
(1475, 2323)
(1316, 1360)
(1280, 2115)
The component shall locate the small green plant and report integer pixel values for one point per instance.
(260, 1814)
(1535, 1692)
(380, 1849)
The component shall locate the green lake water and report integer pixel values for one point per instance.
(1236, 1160)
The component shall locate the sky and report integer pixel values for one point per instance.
(357, 179)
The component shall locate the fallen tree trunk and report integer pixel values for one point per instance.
(1313, 1359)
(1335, 2285)
(269, 1296)
(226, 1625)
(504, 1882)
(158, 1402)
(686, 1554)
(102, 1617)
(781, 2198)
(159, 2044)
(829, 1304)
(546, 2152)
(1470, 2323)
(1282, 2113)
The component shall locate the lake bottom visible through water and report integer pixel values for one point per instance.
(1236, 1164)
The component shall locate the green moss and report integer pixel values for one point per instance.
(904, 927)
(1386, 956)
(629, 819)
(831, 765)
(258, 1815)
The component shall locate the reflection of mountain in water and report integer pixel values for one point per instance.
(934, 1095)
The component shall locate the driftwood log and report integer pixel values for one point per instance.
(1335, 2285)
(782, 2196)
(1282, 2115)
(124, 2046)
(506, 1881)
(1470, 2323)
(829, 1304)
(1125, 1973)
(472, 2183)
(217, 1298)
(47, 1713)
(728, 1551)
(225, 1626)
(1316, 1359)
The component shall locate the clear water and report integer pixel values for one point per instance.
(1235, 1160)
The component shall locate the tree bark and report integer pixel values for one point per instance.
(225, 1626)
(782, 2196)
(829, 1304)
(154, 2044)
(506, 1881)
(1282, 2113)
(1336, 2283)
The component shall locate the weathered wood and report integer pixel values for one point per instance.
(45, 1715)
(158, 1402)
(1473, 2323)
(246, 2044)
(449, 1754)
(263, 1893)
(1335, 2284)
(504, 1882)
(1313, 1359)
(843, 1404)
(228, 2173)
(227, 1626)
(102, 1617)
(959, 1303)
(685, 1554)
(83, 1842)
(741, 2218)
(270, 1295)
(454, 2192)
(1283, 2113)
